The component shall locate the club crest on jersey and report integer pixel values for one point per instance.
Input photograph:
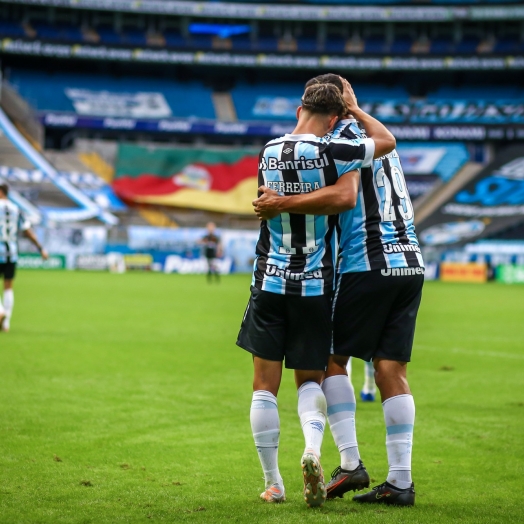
(302, 164)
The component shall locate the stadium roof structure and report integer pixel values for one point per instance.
(335, 13)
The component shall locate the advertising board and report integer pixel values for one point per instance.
(458, 272)
(92, 262)
(510, 274)
(138, 261)
(34, 261)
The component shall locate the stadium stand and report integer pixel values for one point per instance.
(154, 98)
(61, 91)
(306, 37)
(449, 88)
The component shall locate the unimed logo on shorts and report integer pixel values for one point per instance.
(401, 271)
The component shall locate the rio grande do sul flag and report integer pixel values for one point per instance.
(211, 179)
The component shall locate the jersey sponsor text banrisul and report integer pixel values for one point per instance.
(302, 164)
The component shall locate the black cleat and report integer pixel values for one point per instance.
(388, 494)
(343, 480)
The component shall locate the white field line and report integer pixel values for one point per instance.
(479, 353)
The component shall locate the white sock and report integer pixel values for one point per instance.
(2, 310)
(312, 413)
(369, 378)
(9, 302)
(341, 406)
(348, 368)
(399, 414)
(265, 424)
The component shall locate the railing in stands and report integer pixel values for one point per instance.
(87, 208)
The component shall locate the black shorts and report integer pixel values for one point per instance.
(374, 315)
(8, 269)
(282, 327)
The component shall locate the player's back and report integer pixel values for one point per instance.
(379, 232)
(10, 218)
(295, 252)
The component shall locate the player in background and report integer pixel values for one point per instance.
(11, 222)
(212, 251)
(288, 317)
(369, 389)
(378, 293)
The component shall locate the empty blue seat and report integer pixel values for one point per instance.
(401, 45)
(267, 43)
(335, 44)
(134, 37)
(307, 44)
(10, 28)
(506, 45)
(174, 39)
(46, 31)
(375, 45)
(201, 41)
(441, 46)
(70, 33)
(241, 43)
(468, 45)
(108, 35)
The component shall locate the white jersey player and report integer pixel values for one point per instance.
(12, 221)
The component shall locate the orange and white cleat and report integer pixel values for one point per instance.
(275, 493)
(315, 492)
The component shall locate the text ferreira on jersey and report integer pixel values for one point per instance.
(293, 187)
(301, 164)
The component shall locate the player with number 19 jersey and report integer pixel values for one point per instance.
(379, 232)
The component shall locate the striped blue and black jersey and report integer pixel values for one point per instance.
(295, 253)
(379, 232)
(11, 222)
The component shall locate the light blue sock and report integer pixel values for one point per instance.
(341, 406)
(399, 415)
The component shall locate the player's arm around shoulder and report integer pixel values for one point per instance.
(329, 200)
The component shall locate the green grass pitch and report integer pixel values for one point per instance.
(123, 398)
